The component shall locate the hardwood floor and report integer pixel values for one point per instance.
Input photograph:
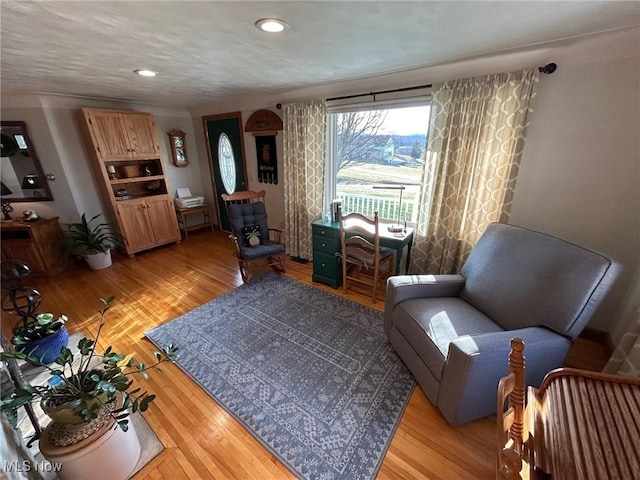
(202, 440)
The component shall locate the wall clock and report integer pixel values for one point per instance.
(178, 148)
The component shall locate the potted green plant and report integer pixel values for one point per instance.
(41, 337)
(93, 240)
(83, 385)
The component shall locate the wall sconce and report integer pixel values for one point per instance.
(31, 182)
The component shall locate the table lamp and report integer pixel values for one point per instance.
(398, 226)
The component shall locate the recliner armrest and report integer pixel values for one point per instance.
(476, 363)
(404, 287)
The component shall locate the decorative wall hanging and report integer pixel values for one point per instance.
(264, 124)
(263, 121)
(267, 159)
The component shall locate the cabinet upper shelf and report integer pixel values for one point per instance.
(118, 181)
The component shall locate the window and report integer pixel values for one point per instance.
(373, 151)
(227, 163)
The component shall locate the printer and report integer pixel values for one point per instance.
(185, 199)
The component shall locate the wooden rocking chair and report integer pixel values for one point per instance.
(253, 239)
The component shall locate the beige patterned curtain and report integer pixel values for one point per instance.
(476, 137)
(626, 357)
(304, 144)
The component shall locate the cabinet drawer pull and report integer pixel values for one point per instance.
(324, 264)
(322, 232)
(324, 244)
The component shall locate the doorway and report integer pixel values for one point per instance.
(225, 145)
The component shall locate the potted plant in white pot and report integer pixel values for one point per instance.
(86, 389)
(93, 241)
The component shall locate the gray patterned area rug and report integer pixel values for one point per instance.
(309, 374)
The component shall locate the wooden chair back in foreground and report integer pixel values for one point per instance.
(511, 423)
(578, 424)
(362, 255)
(251, 235)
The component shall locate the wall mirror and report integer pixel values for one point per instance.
(20, 171)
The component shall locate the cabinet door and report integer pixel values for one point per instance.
(111, 134)
(24, 251)
(141, 131)
(138, 231)
(49, 240)
(163, 220)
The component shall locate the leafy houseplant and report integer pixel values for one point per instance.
(91, 238)
(86, 384)
(43, 326)
(42, 337)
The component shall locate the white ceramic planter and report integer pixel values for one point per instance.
(113, 455)
(98, 261)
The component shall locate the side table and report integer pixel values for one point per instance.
(184, 213)
(38, 243)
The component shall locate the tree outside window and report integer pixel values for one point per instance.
(380, 147)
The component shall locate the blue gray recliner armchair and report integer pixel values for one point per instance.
(453, 331)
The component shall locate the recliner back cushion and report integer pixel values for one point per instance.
(521, 278)
(248, 214)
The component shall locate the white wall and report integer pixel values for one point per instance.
(580, 174)
(580, 171)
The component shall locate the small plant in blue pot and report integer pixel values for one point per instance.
(85, 384)
(42, 337)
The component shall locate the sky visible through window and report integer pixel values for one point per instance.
(405, 121)
(382, 148)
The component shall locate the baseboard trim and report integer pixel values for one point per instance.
(599, 336)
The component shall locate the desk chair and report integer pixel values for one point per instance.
(362, 255)
(252, 238)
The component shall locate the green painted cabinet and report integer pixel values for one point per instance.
(327, 267)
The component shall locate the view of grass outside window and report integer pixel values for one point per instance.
(385, 149)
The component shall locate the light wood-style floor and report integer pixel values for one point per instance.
(202, 440)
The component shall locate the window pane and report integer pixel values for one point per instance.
(227, 163)
(385, 149)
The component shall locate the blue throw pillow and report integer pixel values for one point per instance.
(252, 235)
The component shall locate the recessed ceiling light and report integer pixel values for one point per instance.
(146, 73)
(271, 25)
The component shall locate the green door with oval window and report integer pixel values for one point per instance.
(226, 154)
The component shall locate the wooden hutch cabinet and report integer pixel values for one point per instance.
(123, 135)
(130, 169)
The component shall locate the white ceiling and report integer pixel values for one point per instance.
(207, 51)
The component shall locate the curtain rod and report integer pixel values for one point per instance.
(547, 69)
(380, 92)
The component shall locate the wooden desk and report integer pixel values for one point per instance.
(578, 425)
(184, 213)
(37, 243)
(326, 244)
